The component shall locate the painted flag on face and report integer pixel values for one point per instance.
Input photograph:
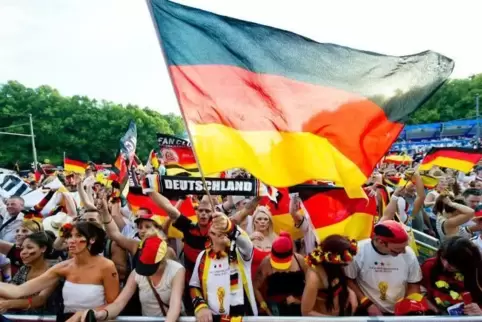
(284, 107)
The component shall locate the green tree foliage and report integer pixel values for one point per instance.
(88, 129)
(84, 128)
(455, 100)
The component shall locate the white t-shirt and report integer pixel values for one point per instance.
(383, 278)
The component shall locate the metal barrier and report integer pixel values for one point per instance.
(427, 245)
(51, 318)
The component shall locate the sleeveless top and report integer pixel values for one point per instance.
(80, 297)
(280, 285)
(439, 225)
(149, 304)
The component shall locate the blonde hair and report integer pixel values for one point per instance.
(32, 225)
(265, 210)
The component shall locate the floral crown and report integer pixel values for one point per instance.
(318, 256)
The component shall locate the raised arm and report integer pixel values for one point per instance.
(247, 210)
(113, 231)
(420, 199)
(235, 233)
(165, 205)
(84, 198)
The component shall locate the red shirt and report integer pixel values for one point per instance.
(258, 256)
(444, 287)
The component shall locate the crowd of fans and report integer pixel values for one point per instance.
(98, 259)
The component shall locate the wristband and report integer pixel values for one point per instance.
(151, 183)
(29, 304)
(200, 307)
(365, 302)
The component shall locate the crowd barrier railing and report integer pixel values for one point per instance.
(51, 318)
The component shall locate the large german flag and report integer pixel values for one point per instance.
(71, 165)
(462, 159)
(137, 199)
(284, 107)
(333, 212)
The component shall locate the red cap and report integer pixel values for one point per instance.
(282, 251)
(391, 231)
(153, 251)
(478, 212)
(152, 217)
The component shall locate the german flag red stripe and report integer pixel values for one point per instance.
(74, 165)
(137, 200)
(284, 107)
(462, 159)
(333, 212)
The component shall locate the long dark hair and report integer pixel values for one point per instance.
(464, 256)
(336, 244)
(93, 230)
(42, 239)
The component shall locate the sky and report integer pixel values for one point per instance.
(108, 49)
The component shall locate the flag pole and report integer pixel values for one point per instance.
(191, 137)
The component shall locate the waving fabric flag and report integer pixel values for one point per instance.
(124, 166)
(333, 212)
(284, 107)
(462, 159)
(137, 200)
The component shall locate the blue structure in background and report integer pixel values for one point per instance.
(453, 133)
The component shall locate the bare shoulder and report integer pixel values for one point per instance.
(63, 267)
(171, 254)
(300, 258)
(104, 263)
(314, 276)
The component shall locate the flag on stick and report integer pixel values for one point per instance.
(284, 107)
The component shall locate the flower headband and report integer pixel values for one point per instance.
(319, 256)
